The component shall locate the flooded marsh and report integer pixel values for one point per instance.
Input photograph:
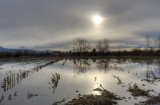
(57, 81)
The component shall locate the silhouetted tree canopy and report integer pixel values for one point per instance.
(102, 45)
(81, 45)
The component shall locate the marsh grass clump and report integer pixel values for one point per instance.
(136, 91)
(55, 79)
(153, 100)
(9, 97)
(92, 100)
(30, 95)
(15, 94)
(106, 98)
(119, 80)
(1, 99)
(59, 102)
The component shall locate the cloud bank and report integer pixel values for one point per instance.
(53, 24)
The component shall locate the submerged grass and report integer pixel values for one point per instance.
(1, 99)
(30, 95)
(10, 97)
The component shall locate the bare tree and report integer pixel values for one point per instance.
(103, 45)
(100, 46)
(148, 41)
(81, 45)
(157, 43)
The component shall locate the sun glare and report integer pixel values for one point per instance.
(97, 19)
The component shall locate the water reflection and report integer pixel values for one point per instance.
(103, 64)
(81, 65)
(113, 74)
(13, 79)
(151, 76)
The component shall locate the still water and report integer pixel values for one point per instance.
(57, 81)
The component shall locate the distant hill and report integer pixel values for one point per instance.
(2, 49)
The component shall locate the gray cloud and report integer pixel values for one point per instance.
(47, 24)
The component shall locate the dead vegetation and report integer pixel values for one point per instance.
(9, 97)
(30, 95)
(119, 82)
(59, 102)
(136, 91)
(55, 79)
(15, 94)
(1, 99)
(106, 98)
(12, 80)
(152, 100)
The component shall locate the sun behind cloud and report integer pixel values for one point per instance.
(97, 19)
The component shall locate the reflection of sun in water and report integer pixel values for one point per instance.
(97, 19)
(96, 92)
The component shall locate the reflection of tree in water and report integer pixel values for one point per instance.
(55, 79)
(158, 65)
(103, 64)
(81, 65)
(151, 75)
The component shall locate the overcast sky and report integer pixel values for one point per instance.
(53, 24)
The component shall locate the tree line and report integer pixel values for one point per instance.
(82, 46)
(23, 52)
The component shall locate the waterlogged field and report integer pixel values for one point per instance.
(57, 81)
